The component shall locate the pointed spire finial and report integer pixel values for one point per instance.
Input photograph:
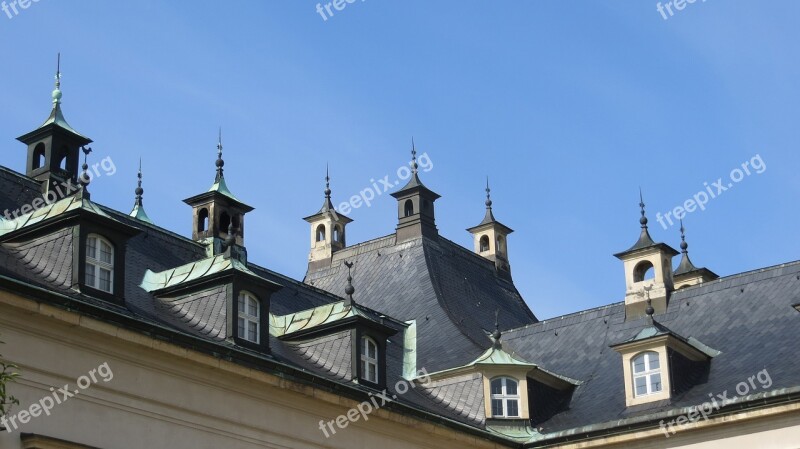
(138, 205)
(139, 190)
(349, 289)
(684, 245)
(327, 182)
(57, 90)
(85, 178)
(643, 220)
(414, 165)
(496, 335)
(488, 194)
(220, 162)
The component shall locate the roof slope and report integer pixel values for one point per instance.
(449, 291)
(748, 317)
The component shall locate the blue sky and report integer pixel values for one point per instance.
(567, 106)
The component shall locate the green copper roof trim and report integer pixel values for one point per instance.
(57, 118)
(63, 206)
(410, 351)
(190, 272)
(221, 187)
(498, 356)
(311, 318)
(139, 214)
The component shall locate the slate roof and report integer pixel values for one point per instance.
(450, 292)
(747, 317)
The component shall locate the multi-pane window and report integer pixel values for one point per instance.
(646, 374)
(369, 360)
(99, 263)
(505, 398)
(249, 323)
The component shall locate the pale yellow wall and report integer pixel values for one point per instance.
(163, 396)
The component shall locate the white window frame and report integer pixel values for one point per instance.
(246, 317)
(647, 374)
(367, 361)
(504, 397)
(95, 265)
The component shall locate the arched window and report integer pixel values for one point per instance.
(38, 156)
(202, 220)
(337, 234)
(501, 244)
(99, 263)
(224, 221)
(505, 398)
(62, 158)
(643, 271)
(408, 208)
(321, 233)
(369, 360)
(249, 327)
(484, 243)
(646, 373)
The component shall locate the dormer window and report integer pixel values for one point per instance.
(249, 325)
(369, 360)
(99, 263)
(646, 374)
(505, 398)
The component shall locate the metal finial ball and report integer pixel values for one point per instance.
(139, 191)
(643, 221)
(684, 245)
(649, 310)
(497, 334)
(328, 192)
(220, 163)
(349, 290)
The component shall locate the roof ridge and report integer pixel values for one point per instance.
(568, 315)
(19, 175)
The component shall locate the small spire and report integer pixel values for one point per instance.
(57, 90)
(684, 245)
(488, 194)
(220, 161)
(84, 179)
(139, 190)
(349, 289)
(327, 182)
(414, 165)
(643, 220)
(496, 335)
(138, 205)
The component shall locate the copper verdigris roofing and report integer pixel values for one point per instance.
(311, 318)
(190, 272)
(61, 207)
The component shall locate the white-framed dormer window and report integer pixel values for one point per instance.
(646, 371)
(369, 360)
(249, 326)
(99, 263)
(505, 397)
